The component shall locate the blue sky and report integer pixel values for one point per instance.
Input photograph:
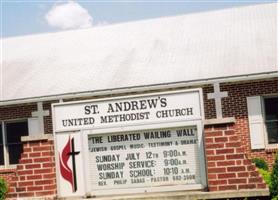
(29, 17)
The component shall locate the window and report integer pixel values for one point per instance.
(271, 119)
(10, 141)
(1, 145)
(263, 121)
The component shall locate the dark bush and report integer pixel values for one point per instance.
(260, 163)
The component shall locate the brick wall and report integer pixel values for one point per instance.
(34, 176)
(227, 164)
(227, 148)
(25, 111)
(236, 106)
(17, 112)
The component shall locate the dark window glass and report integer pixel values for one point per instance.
(271, 119)
(1, 146)
(14, 133)
(272, 131)
(271, 108)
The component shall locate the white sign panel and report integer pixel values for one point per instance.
(149, 158)
(118, 112)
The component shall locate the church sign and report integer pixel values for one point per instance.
(143, 143)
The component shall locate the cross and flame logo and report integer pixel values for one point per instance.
(67, 173)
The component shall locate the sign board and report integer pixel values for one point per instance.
(146, 158)
(130, 144)
(128, 111)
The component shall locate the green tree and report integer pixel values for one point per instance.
(274, 180)
(3, 189)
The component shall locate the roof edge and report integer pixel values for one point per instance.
(142, 88)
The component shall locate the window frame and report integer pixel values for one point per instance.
(6, 155)
(267, 145)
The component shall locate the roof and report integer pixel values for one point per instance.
(199, 46)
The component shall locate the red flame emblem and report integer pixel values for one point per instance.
(66, 172)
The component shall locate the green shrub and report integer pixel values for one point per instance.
(266, 176)
(274, 180)
(260, 163)
(3, 189)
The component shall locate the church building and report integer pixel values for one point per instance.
(173, 107)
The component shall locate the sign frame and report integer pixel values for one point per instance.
(85, 131)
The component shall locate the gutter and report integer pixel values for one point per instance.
(114, 91)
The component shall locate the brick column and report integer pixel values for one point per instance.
(227, 163)
(35, 174)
